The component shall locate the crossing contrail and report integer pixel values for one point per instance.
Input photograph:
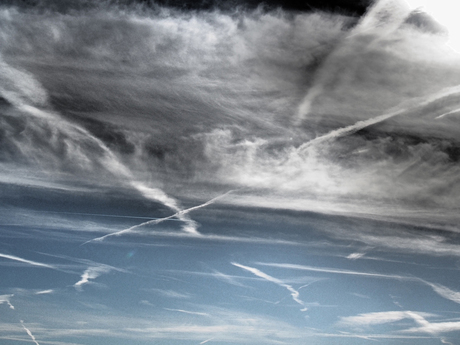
(160, 220)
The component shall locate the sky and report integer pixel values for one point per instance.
(204, 172)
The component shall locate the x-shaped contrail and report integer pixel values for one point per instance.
(160, 220)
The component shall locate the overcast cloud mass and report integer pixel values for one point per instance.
(190, 172)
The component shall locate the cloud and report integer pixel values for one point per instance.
(439, 289)
(6, 299)
(187, 312)
(336, 271)
(370, 319)
(435, 328)
(378, 318)
(444, 291)
(171, 293)
(45, 292)
(91, 273)
(381, 19)
(294, 293)
(354, 256)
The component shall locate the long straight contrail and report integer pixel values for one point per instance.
(33, 263)
(160, 220)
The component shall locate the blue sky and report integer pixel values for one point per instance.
(227, 176)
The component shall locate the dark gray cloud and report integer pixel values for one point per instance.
(194, 103)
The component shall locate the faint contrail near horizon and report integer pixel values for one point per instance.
(157, 221)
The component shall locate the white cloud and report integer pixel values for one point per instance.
(435, 328)
(45, 292)
(91, 273)
(369, 319)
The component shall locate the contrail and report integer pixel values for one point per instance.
(160, 220)
(418, 102)
(30, 97)
(294, 293)
(456, 111)
(33, 263)
(29, 333)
